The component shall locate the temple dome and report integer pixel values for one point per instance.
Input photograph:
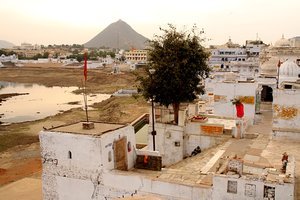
(282, 42)
(289, 69)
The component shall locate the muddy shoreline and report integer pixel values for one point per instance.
(19, 142)
(4, 97)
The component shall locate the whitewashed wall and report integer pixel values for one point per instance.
(282, 191)
(85, 149)
(84, 170)
(288, 117)
(232, 90)
(107, 140)
(167, 135)
(165, 190)
(193, 138)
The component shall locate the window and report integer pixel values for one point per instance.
(269, 192)
(250, 190)
(232, 187)
(287, 86)
(128, 146)
(70, 155)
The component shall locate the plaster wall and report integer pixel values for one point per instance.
(227, 92)
(193, 138)
(85, 150)
(107, 146)
(286, 134)
(169, 142)
(286, 111)
(166, 190)
(220, 187)
(115, 184)
(88, 152)
(83, 169)
(205, 142)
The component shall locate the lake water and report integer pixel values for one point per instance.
(40, 102)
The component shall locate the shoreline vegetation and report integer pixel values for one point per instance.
(19, 142)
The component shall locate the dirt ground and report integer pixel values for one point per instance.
(19, 143)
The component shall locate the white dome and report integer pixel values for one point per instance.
(282, 42)
(289, 69)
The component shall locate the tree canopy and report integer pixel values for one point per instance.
(180, 62)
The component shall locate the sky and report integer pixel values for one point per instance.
(76, 22)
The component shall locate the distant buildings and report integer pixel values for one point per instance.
(232, 57)
(12, 58)
(136, 56)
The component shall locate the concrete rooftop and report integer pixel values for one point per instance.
(77, 128)
(261, 152)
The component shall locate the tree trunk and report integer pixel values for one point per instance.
(176, 111)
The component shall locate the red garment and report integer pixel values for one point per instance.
(239, 110)
(85, 67)
(145, 159)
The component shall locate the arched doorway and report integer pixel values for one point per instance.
(266, 94)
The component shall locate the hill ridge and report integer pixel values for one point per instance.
(5, 44)
(118, 35)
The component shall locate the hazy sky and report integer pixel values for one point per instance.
(73, 21)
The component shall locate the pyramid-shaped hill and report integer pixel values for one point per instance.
(118, 35)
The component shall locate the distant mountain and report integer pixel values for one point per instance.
(118, 35)
(5, 45)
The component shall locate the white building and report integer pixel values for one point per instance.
(136, 56)
(99, 163)
(223, 90)
(103, 163)
(295, 41)
(286, 103)
(75, 159)
(232, 57)
(241, 180)
(12, 58)
(279, 81)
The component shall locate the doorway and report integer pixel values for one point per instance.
(120, 154)
(266, 94)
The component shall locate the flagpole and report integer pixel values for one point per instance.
(278, 66)
(84, 88)
(85, 102)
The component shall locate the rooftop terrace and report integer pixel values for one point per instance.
(77, 128)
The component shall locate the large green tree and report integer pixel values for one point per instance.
(180, 62)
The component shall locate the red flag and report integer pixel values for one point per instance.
(239, 110)
(279, 63)
(85, 66)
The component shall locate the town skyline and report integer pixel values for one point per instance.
(61, 22)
